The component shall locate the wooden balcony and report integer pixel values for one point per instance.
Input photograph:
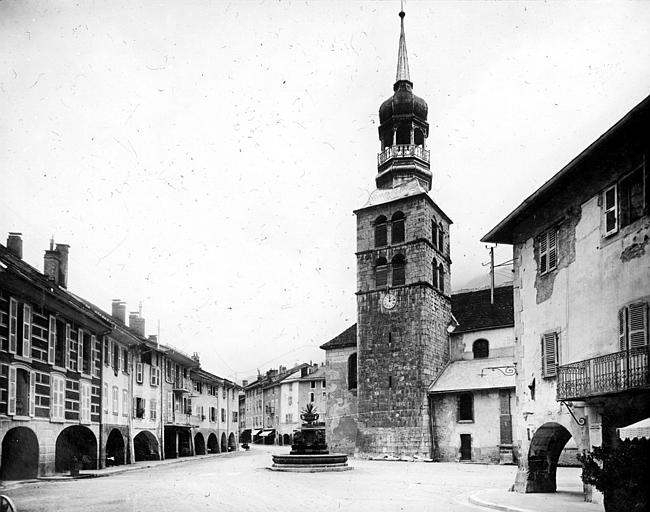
(403, 151)
(612, 373)
(182, 385)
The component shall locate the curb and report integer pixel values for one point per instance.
(495, 506)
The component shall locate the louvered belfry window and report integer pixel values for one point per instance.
(381, 272)
(549, 354)
(548, 251)
(633, 326)
(397, 228)
(381, 232)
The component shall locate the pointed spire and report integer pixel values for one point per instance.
(402, 57)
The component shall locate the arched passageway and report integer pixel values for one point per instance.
(232, 442)
(19, 455)
(115, 449)
(545, 448)
(286, 439)
(145, 446)
(75, 443)
(199, 444)
(213, 444)
(224, 443)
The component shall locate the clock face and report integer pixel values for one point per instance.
(389, 301)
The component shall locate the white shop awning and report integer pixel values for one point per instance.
(639, 430)
(256, 433)
(267, 433)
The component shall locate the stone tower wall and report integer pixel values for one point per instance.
(401, 350)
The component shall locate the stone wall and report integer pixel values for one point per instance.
(341, 416)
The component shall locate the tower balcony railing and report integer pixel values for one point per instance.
(611, 373)
(403, 151)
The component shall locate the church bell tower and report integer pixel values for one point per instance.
(403, 281)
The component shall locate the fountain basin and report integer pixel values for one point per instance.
(316, 463)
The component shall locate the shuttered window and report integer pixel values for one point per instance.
(51, 341)
(11, 409)
(80, 350)
(548, 251)
(27, 331)
(611, 211)
(105, 398)
(549, 354)
(138, 373)
(84, 388)
(32, 393)
(68, 345)
(633, 326)
(58, 397)
(116, 400)
(125, 402)
(13, 324)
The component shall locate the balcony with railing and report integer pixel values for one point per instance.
(611, 373)
(182, 385)
(403, 151)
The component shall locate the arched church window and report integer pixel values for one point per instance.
(434, 273)
(352, 371)
(397, 228)
(434, 233)
(419, 137)
(481, 349)
(441, 278)
(381, 232)
(441, 239)
(398, 264)
(381, 272)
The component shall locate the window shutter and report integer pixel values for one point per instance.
(138, 373)
(170, 407)
(67, 346)
(13, 324)
(119, 360)
(27, 330)
(80, 350)
(105, 397)
(543, 255)
(549, 354)
(638, 319)
(622, 342)
(32, 393)
(94, 362)
(552, 249)
(611, 211)
(135, 407)
(51, 346)
(11, 409)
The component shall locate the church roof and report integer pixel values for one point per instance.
(470, 375)
(474, 311)
(387, 195)
(347, 338)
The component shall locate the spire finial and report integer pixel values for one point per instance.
(402, 57)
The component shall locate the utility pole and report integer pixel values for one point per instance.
(491, 275)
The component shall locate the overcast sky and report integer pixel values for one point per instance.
(205, 157)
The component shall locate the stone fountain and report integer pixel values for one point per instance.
(309, 451)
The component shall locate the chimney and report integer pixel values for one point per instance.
(244, 383)
(51, 263)
(63, 249)
(119, 310)
(15, 244)
(154, 338)
(136, 323)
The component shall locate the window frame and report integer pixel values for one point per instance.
(380, 229)
(550, 362)
(546, 249)
(465, 407)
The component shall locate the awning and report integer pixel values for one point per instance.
(640, 430)
(267, 433)
(257, 433)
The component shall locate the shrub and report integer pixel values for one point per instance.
(621, 474)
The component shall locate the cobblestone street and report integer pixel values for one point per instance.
(241, 481)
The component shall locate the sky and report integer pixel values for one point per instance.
(204, 158)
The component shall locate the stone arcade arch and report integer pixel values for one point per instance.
(224, 442)
(232, 442)
(545, 448)
(75, 442)
(145, 446)
(287, 439)
(199, 444)
(213, 444)
(19, 454)
(115, 449)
